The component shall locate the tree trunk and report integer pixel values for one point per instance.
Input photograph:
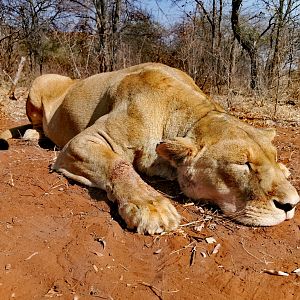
(11, 92)
(273, 70)
(254, 70)
(101, 17)
(115, 32)
(246, 42)
(232, 57)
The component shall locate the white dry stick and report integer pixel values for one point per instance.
(11, 180)
(185, 247)
(274, 272)
(242, 242)
(190, 223)
(200, 209)
(152, 287)
(95, 268)
(31, 256)
(188, 204)
(297, 271)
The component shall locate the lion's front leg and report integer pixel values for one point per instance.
(140, 205)
(91, 161)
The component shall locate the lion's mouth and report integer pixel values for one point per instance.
(290, 214)
(284, 206)
(287, 207)
(257, 216)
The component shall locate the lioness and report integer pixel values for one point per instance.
(153, 119)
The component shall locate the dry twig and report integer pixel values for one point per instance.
(193, 255)
(155, 289)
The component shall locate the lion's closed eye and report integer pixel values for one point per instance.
(244, 168)
(248, 165)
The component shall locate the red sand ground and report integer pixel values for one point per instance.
(61, 240)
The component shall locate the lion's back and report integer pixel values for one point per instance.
(151, 89)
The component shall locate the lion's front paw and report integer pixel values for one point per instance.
(150, 216)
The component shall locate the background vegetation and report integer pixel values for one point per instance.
(227, 46)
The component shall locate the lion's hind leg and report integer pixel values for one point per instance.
(91, 161)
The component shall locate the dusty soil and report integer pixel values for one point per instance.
(61, 240)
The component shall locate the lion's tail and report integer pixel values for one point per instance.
(15, 132)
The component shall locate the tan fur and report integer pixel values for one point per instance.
(156, 119)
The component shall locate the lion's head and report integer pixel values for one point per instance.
(235, 166)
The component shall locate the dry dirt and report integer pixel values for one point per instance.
(61, 240)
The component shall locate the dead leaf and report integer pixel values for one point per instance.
(216, 249)
(53, 292)
(98, 253)
(157, 251)
(101, 241)
(203, 254)
(199, 228)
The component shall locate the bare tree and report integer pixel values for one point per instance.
(249, 39)
(220, 44)
(105, 18)
(30, 20)
(214, 18)
(283, 17)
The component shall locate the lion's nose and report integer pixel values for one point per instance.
(284, 206)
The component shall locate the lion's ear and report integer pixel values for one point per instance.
(177, 151)
(270, 133)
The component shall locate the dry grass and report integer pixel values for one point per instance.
(261, 110)
(14, 109)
